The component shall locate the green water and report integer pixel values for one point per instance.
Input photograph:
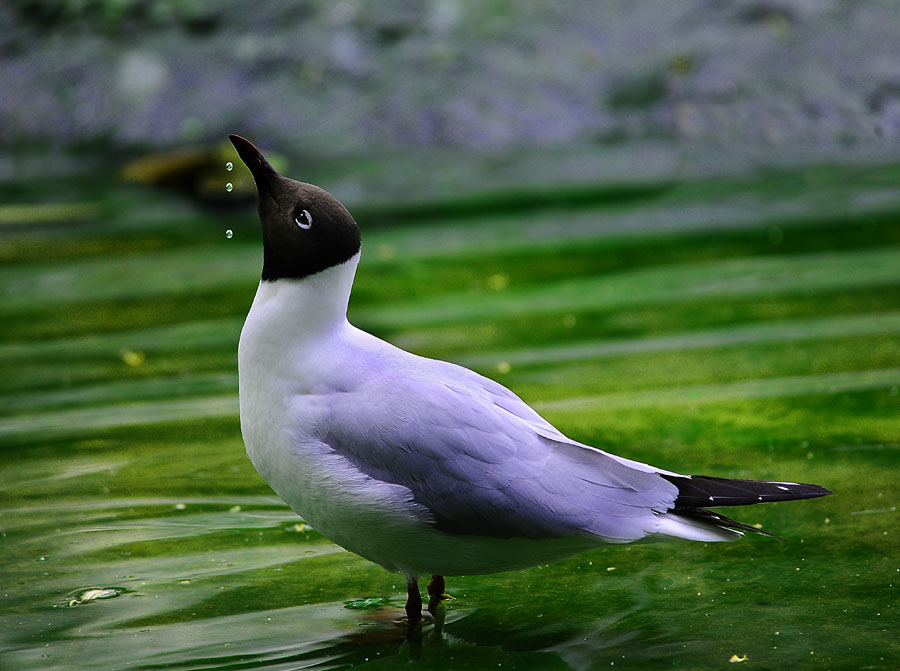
(743, 327)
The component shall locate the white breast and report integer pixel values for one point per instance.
(294, 355)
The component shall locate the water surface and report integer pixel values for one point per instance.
(733, 327)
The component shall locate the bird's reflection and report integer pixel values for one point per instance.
(451, 634)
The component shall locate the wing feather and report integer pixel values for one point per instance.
(484, 463)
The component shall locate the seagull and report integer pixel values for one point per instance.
(423, 466)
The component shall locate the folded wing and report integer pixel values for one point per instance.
(484, 463)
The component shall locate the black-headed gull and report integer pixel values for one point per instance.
(423, 466)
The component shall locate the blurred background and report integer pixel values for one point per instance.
(673, 228)
(795, 81)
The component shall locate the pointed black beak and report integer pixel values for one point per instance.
(262, 172)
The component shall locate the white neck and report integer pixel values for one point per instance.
(289, 318)
(308, 306)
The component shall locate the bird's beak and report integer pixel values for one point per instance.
(263, 174)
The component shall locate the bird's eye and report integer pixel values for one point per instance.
(303, 220)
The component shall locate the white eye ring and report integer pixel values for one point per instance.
(304, 220)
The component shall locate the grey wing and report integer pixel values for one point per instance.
(484, 463)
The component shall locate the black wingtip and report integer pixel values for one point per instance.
(722, 522)
(701, 491)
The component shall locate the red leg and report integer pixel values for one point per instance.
(436, 589)
(413, 602)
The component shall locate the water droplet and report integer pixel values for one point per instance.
(229, 187)
(229, 166)
(229, 233)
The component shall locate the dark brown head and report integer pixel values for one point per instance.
(305, 229)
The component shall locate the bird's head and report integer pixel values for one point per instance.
(305, 229)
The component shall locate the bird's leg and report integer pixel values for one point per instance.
(435, 592)
(413, 602)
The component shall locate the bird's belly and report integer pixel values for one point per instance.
(368, 517)
(379, 521)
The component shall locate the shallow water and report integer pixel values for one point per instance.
(732, 327)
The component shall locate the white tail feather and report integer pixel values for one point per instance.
(673, 524)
